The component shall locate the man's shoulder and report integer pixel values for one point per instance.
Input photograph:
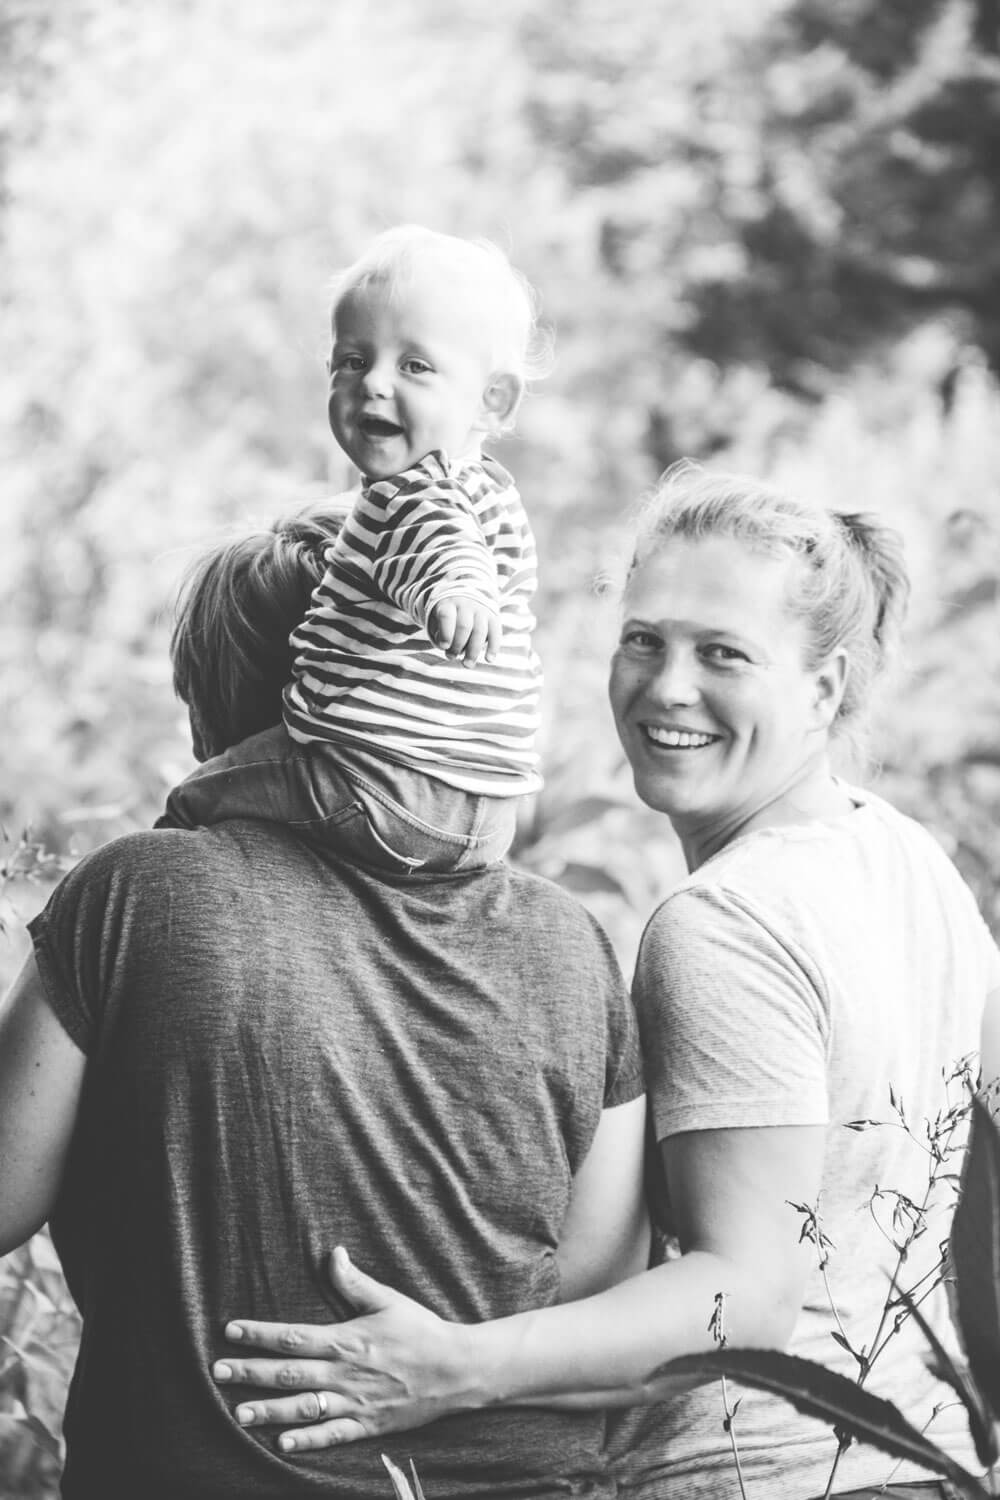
(158, 853)
(547, 901)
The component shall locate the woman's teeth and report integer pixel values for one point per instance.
(678, 739)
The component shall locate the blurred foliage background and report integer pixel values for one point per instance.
(767, 237)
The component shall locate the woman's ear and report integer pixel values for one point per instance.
(830, 681)
(501, 398)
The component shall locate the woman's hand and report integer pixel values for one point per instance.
(396, 1365)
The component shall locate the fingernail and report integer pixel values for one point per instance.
(286, 1442)
(244, 1415)
(222, 1371)
(234, 1332)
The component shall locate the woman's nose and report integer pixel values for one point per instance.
(676, 679)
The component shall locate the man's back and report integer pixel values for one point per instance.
(286, 1054)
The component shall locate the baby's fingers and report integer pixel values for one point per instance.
(494, 637)
(475, 626)
(443, 622)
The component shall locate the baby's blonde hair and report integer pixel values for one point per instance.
(519, 344)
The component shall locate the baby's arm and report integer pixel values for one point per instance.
(432, 559)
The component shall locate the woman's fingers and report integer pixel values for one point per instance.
(392, 1367)
(336, 1374)
(283, 1374)
(364, 1293)
(308, 1340)
(320, 1340)
(283, 1411)
(324, 1435)
(286, 1411)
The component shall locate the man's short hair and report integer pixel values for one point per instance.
(236, 610)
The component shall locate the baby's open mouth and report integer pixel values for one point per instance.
(379, 427)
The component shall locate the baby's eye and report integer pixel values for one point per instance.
(350, 363)
(415, 366)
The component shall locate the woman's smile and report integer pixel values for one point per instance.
(679, 739)
(715, 704)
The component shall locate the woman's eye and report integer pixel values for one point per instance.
(640, 640)
(718, 652)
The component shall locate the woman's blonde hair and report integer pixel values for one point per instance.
(850, 591)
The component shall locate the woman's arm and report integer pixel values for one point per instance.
(41, 1075)
(400, 1366)
(605, 1237)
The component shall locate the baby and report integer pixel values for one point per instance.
(410, 721)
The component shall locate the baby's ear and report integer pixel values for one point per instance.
(501, 399)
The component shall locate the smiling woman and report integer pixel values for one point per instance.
(714, 702)
(822, 956)
(733, 670)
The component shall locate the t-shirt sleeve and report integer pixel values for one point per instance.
(79, 935)
(65, 968)
(733, 1020)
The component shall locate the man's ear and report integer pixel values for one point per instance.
(830, 682)
(501, 398)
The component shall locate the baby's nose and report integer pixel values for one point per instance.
(378, 380)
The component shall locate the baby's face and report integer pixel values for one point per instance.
(408, 374)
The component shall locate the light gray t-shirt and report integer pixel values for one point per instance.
(795, 979)
(285, 1053)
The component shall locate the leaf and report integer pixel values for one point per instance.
(400, 1484)
(975, 1251)
(980, 1421)
(45, 1439)
(818, 1392)
(46, 1378)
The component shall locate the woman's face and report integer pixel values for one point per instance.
(715, 707)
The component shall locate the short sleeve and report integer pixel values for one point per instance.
(733, 1020)
(83, 935)
(71, 945)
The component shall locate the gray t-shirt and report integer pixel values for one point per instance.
(286, 1053)
(793, 980)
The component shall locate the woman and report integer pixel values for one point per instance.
(229, 1045)
(822, 962)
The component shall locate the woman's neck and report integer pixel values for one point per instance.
(812, 794)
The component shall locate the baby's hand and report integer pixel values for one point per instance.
(465, 629)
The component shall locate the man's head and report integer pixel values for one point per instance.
(433, 341)
(237, 608)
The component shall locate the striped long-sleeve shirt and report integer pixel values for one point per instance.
(366, 670)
